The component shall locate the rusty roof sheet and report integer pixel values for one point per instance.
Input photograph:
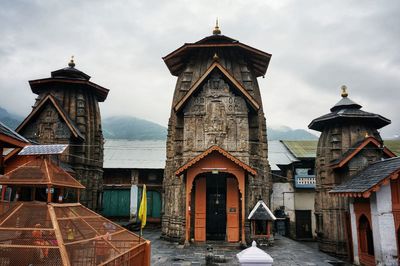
(302, 148)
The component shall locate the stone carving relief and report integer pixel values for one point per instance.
(48, 127)
(216, 116)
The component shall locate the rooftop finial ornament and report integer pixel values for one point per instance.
(71, 62)
(215, 57)
(216, 30)
(344, 91)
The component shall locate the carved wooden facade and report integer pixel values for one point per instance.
(216, 102)
(342, 132)
(67, 111)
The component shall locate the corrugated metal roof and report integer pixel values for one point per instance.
(278, 154)
(134, 154)
(151, 154)
(302, 148)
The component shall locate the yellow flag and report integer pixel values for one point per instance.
(143, 207)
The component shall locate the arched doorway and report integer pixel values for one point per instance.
(214, 162)
(366, 242)
(216, 207)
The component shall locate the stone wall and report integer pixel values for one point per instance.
(331, 211)
(217, 114)
(85, 156)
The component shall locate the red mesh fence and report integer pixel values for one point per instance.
(39, 234)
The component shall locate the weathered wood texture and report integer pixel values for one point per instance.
(216, 114)
(81, 105)
(330, 210)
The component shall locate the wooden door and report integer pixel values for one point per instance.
(200, 210)
(232, 210)
(303, 224)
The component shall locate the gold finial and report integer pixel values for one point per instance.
(215, 57)
(344, 91)
(216, 30)
(366, 135)
(71, 63)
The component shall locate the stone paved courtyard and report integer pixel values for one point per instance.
(284, 252)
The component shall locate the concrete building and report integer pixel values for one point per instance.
(374, 204)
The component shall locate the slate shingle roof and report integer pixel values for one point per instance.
(347, 110)
(369, 177)
(261, 212)
(11, 133)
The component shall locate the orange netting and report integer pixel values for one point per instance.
(65, 234)
(40, 171)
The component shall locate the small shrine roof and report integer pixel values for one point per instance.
(370, 179)
(261, 212)
(40, 171)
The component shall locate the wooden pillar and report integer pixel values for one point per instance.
(79, 194)
(48, 194)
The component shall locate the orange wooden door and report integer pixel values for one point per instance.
(200, 210)
(232, 210)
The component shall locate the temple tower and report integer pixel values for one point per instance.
(217, 167)
(67, 111)
(343, 130)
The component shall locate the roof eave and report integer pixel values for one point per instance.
(101, 92)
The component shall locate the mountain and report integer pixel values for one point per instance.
(10, 120)
(286, 133)
(132, 128)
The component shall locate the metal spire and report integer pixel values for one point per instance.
(71, 63)
(216, 30)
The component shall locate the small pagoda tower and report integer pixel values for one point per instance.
(217, 166)
(67, 111)
(344, 131)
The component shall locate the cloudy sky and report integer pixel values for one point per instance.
(316, 47)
